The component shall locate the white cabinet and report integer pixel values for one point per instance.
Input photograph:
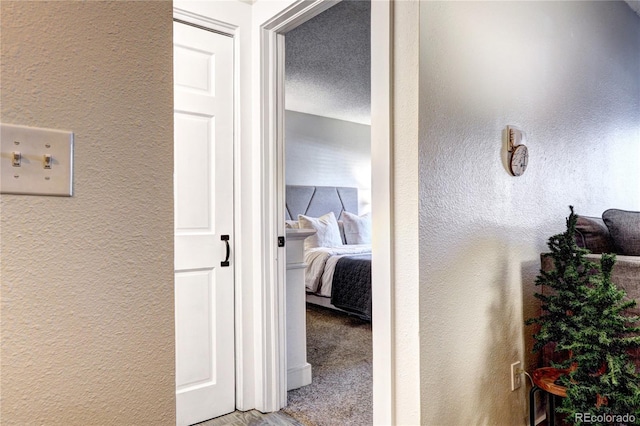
(298, 369)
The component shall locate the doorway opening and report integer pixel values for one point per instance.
(327, 151)
(273, 205)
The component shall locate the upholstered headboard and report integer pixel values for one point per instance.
(318, 200)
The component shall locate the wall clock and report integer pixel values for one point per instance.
(518, 152)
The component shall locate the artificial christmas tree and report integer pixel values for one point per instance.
(584, 317)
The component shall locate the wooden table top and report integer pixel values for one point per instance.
(546, 377)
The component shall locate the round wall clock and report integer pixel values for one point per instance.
(519, 160)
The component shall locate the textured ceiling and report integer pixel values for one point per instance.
(328, 64)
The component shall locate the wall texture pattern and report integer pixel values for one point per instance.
(87, 281)
(566, 73)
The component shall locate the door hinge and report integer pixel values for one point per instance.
(280, 241)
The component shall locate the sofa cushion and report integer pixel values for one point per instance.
(624, 227)
(593, 234)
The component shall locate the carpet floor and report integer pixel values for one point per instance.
(339, 351)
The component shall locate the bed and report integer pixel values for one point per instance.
(338, 256)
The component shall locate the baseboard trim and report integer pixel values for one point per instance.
(298, 377)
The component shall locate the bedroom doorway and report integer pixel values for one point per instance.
(271, 132)
(327, 151)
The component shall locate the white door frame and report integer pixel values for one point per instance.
(273, 362)
(232, 31)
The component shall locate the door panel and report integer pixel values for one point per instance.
(195, 296)
(193, 172)
(203, 187)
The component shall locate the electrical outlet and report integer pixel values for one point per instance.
(516, 375)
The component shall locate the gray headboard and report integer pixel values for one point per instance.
(318, 200)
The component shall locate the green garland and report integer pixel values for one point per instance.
(585, 317)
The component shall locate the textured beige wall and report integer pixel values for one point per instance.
(568, 74)
(87, 281)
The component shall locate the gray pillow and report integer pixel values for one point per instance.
(624, 227)
(593, 234)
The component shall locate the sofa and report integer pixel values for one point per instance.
(617, 231)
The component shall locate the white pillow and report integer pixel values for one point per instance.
(326, 227)
(341, 228)
(357, 229)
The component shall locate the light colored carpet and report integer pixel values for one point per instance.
(339, 351)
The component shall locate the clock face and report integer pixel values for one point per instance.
(519, 160)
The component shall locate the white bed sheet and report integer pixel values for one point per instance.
(321, 264)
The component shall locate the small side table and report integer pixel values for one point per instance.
(544, 379)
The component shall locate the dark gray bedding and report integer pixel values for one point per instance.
(351, 287)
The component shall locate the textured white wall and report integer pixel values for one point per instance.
(87, 281)
(328, 152)
(568, 74)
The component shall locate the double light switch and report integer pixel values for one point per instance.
(35, 161)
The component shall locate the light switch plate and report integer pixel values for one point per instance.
(35, 161)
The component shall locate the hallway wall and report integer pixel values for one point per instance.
(567, 74)
(87, 281)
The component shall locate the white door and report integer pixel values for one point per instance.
(203, 185)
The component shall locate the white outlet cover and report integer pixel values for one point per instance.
(33, 144)
(516, 379)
